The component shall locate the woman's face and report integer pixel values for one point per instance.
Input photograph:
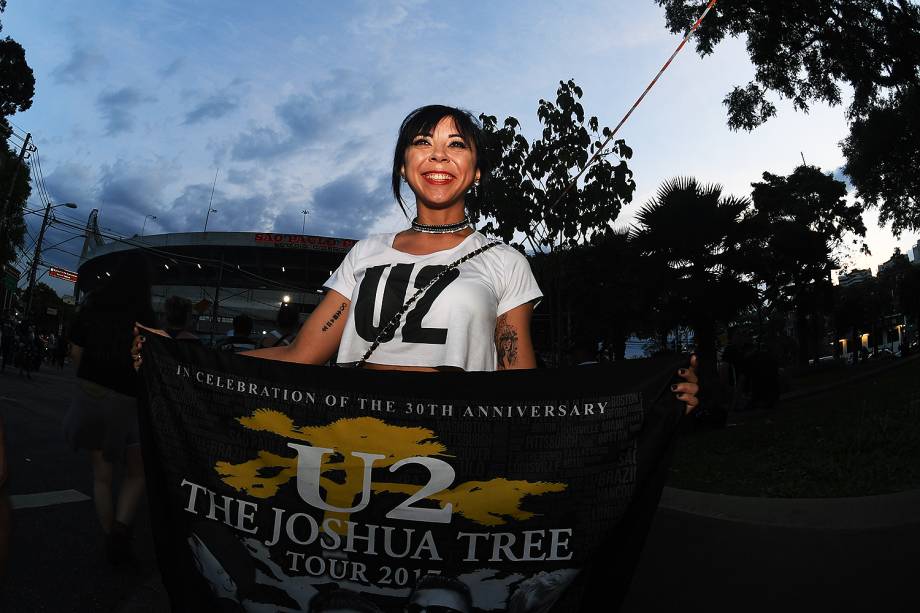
(440, 167)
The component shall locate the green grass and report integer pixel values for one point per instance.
(857, 439)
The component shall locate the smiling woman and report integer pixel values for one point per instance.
(438, 295)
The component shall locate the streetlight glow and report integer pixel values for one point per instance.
(286, 299)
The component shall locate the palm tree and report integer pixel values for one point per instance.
(699, 237)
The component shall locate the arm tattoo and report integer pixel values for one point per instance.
(506, 343)
(335, 317)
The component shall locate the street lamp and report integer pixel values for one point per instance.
(146, 217)
(38, 250)
(210, 210)
(303, 228)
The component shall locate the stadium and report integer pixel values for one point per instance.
(223, 274)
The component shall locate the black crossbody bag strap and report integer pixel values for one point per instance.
(391, 325)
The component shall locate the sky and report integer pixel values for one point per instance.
(295, 105)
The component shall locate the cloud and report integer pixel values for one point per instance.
(348, 206)
(79, 68)
(172, 68)
(126, 191)
(213, 107)
(116, 108)
(72, 182)
(329, 107)
(239, 213)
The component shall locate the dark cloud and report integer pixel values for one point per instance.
(347, 207)
(327, 109)
(214, 107)
(248, 213)
(79, 67)
(127, 192)
(72, 182)
(117, 108)
(172, 68)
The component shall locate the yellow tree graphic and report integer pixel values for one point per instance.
(489, 503)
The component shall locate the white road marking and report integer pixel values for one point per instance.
(47, 499)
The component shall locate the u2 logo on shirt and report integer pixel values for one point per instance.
(394, 296)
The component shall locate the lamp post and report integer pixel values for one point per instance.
(303, 228)
(36, 258)
(146, 217)
(210, 210)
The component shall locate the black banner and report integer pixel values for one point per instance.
(284, 487)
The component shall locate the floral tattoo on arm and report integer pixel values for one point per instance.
(335, 317)
(506, 343)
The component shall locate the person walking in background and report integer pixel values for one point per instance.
(61, 349)
(242, 331)
(288, 324)
(178, 317)
(103, 414)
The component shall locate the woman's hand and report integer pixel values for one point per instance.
(138, 343)
(688, 390)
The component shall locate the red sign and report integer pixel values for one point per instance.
(60, 273)
(301, 241)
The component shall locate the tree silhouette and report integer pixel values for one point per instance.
(531, 189)
(798, 221)
(806, 52)
(17, 87)
(698, 236)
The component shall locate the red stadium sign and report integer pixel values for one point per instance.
(61, 273)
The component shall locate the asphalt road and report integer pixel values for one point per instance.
(57, 561)
(690, 563)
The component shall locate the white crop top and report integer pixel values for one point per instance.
(452, 324)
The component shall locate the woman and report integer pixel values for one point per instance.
(103, 415)
(476, 315)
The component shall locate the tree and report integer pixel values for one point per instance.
(698, 235)
(533, 193)
(17, 87)
(531, 189)
(799, 220)
(805, 52)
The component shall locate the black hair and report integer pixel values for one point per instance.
(443, 582)
(287, 317)
(242, 325)
(177, 311)
(423, 121)
(342, 599)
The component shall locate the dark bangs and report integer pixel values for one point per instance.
(423, 121)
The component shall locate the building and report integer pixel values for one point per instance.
(893, 261)
(223, 274)
(915, 251)
(856, 276)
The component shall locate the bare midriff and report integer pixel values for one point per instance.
(408, 368)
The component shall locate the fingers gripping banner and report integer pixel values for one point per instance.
(284, 487)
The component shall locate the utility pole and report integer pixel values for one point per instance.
(36, 258)
(9, 192)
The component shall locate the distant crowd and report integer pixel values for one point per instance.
(24, 349)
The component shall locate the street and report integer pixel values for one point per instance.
(57, 560)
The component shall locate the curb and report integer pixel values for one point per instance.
(857, 513)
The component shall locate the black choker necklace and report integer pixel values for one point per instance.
(442, 229)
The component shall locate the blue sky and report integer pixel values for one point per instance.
(297, 103)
